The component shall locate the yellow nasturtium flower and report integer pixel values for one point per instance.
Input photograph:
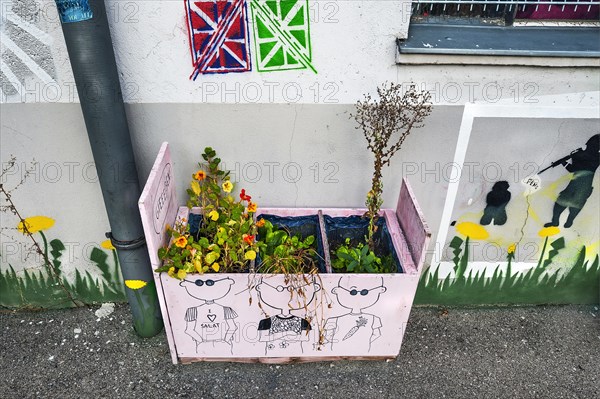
(252, 207)
(198, 265)
(213, 215)
(195, 187)
(472, 230)
(107, 244)
(215, 266)
(227, 186)
(250, 255)
(171, 272)
(35, 224)
(135, 284)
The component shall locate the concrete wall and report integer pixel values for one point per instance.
(287, 135)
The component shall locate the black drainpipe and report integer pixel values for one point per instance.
(85, 27)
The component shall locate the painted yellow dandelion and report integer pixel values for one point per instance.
(549, 231)
(511, 248)
(472, 230)
(35, 224)
(107, 244)
(135, 284)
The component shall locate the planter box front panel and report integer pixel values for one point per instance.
(256, 318)
(359, 315)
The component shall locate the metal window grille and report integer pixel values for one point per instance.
(504, 12)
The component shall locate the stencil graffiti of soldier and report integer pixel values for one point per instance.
(582, 164)
(496, 201)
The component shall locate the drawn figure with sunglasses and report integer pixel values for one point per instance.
(284, 333)
(355, 329)
(211, 325)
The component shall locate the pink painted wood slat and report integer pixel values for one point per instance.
(413, 225)
(158, 207)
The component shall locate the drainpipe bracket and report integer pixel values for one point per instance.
(126, 245)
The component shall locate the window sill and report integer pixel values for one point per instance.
(495, 45)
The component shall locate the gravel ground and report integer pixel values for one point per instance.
(529, 352)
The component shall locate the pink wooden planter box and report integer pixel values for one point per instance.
(210, 317)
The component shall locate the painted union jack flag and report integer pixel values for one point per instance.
(218, 31)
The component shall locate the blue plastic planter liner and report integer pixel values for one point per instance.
(302, 226)
(355, 228)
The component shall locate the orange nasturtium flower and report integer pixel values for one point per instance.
(260, 223)
(248, 238)
(181, 242)
(200, 175)
(227, 186)
(252, 207)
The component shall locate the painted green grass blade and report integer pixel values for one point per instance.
(579, 285)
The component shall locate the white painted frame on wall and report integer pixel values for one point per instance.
(472, 111)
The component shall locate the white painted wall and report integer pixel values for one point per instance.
(293, 119)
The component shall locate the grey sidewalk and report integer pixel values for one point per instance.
(532, 352)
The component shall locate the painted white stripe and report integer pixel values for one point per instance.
(201, 13)
(12, 78)
(242, 62)
(459, 158)
(293, 13)
(34, 30)
(268, 57)
(30, 63)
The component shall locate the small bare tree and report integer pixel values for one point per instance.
(386, 122)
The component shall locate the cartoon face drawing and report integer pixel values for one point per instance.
(356, 328)
(357, 298)
(207, 289)
(211, 325)
(285, 332)
(286, 297)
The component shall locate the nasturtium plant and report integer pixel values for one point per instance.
(282, 252)
(225, 241)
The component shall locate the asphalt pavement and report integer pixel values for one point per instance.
(515, 352)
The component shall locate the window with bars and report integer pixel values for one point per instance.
(505, 27)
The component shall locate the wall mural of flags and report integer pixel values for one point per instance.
(218, 32)
(220, 40)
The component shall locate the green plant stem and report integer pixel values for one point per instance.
(45, 244)
(543, 253)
